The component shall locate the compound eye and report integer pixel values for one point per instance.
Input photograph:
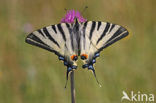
(84, 56)
(74, 57)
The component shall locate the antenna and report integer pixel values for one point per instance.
(65, 9)
(84, 9)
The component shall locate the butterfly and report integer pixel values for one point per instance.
(77, 37)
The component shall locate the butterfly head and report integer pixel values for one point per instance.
(71, 15)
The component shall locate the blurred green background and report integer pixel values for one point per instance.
(32, 75)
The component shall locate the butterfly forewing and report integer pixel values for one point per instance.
(96, 36)
(55, 38)
(113, 34)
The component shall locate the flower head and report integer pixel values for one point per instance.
(71, 15)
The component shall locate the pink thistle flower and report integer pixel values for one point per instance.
(71, 15)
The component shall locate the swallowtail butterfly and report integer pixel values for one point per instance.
(76, 37)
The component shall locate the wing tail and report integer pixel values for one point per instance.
(93, 71)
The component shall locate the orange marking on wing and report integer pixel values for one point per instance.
(72, 57)
(85, 55)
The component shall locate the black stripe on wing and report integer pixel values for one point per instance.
(41, 32)
(84, 35)
(92, 29)
(34, 40)
(104, 32)
(112, 26)
(119, 34)
(71, 35)
(99, 24)
(50, 36)
(61, 31)
(54, 28)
